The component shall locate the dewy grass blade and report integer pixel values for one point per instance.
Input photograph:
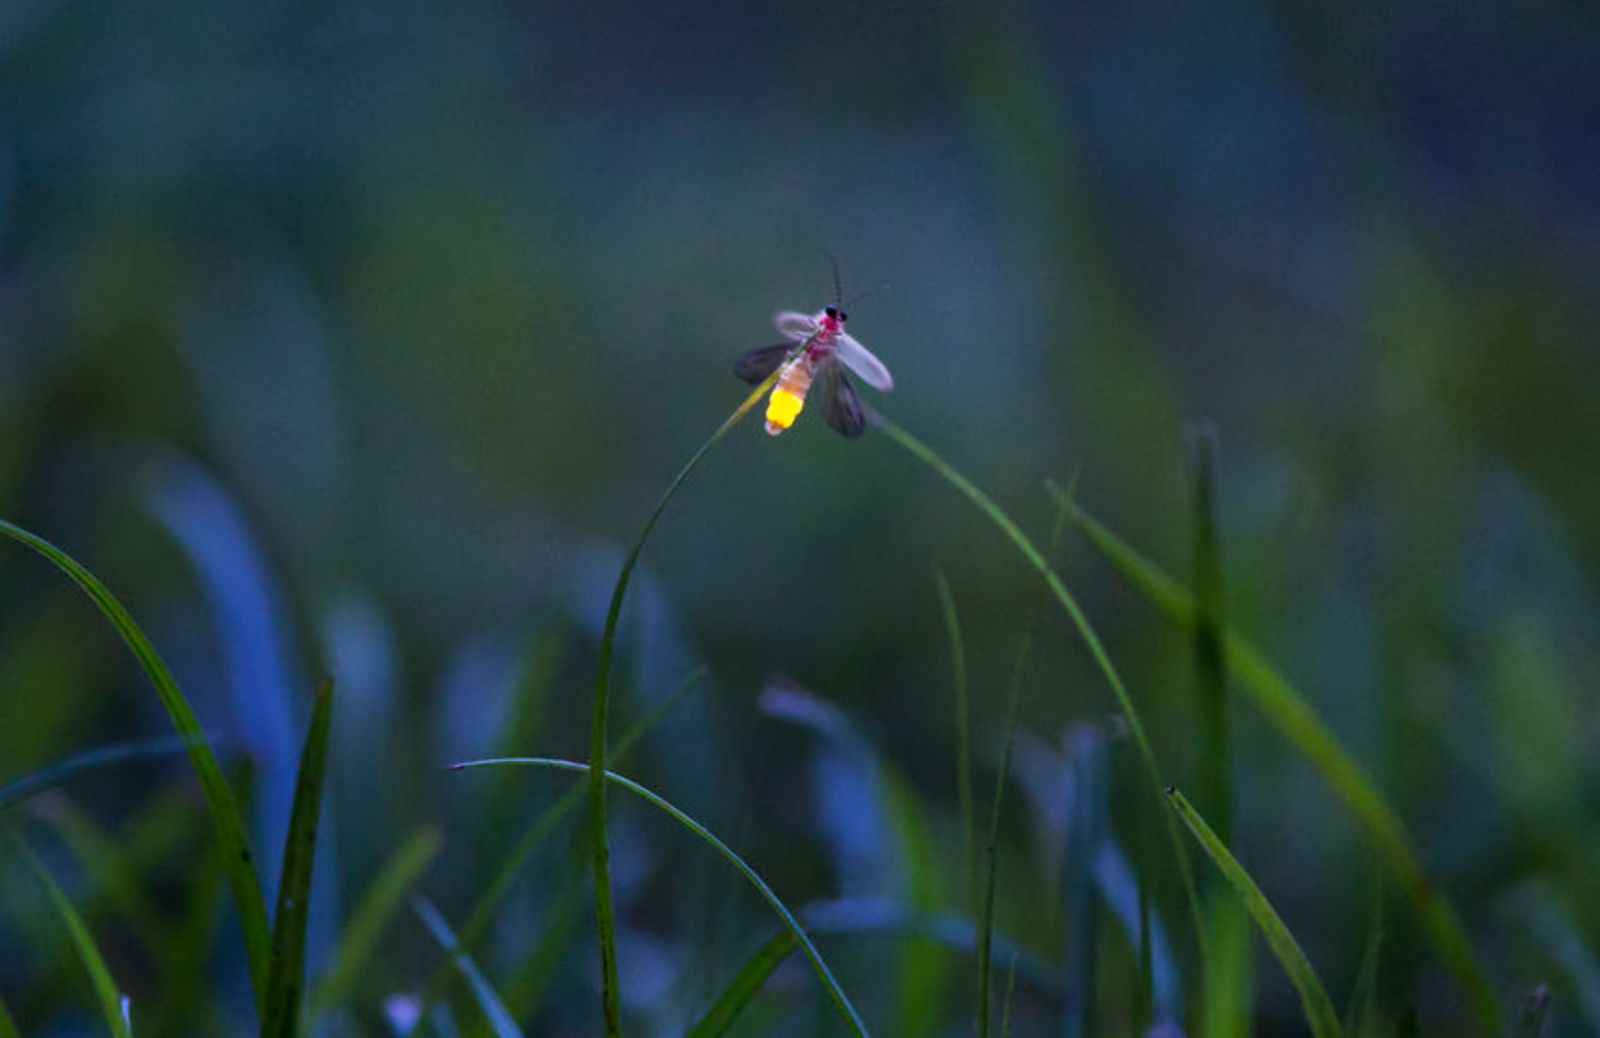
(280, 1017)
(482, 913)
(489, 1002)
(1288, 710)
(829, 983)
(55, 774)
(746, 984)
(382, 900)
(958, 668)
(1313, 997)
(94, 963)
(1087, 632)
(220, 803)
(599, 706)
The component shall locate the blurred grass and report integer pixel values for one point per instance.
(1287, 709)
(220, 804)
(94, 964)
(1324, 1022)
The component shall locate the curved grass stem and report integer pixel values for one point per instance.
(605, 912)
(840, 1000)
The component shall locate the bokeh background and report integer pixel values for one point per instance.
(361, 338)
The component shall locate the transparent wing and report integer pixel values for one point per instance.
(792, 324)
(840, 405)
(760, 362)
(860, 360)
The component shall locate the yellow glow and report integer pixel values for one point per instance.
(783, 407)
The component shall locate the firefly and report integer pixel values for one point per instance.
(816, 350)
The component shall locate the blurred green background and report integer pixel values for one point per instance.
(361, 338)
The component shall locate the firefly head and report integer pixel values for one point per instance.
(836, 313)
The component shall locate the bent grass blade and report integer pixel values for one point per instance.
(840, 1000)
(1313, 997)
(220, 804)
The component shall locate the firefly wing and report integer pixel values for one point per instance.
(840, 405)
(755, 365)
(793, 325)
(860, 360)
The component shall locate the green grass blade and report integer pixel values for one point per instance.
(1096, 649)
(1211, 663)
(1360, 1015)
(378, 905)
(605, 915)
(529, 984)
(1284, 707)
(110, 863)
(744, 986)
(8, 1026)
(958, 668)
(1530, 1017)
(280, 1017)
(543, 827)
(829, 983)
(1011, 990)
(62, 771)
(493, 1009)
(105, 989)
(220, 804)
(1313, 997)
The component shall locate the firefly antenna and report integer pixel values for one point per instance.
(862, 295)
(838, 284)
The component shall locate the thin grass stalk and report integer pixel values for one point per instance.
(831, 984)
(604, 910)
(990, 853)
(958, 669)
(1096, 649)
(112, 1007)
(1289, 711)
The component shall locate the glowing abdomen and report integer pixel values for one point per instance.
(789, 396)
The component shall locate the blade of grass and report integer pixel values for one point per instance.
(94, 964)
(112, 867)
(280, 1017)
(1360, 1016)
(525, 990)
(1319, 1012)
(1096, 649)
(378, 905)
(1289, 711)
(744, 986)
(840, 1000)
(990, 852)
(220, 804)
(482, 912)
(1011, 989)
(604, 911)
(1019, 676)
(1227, 971)
(958, 668)
(493, 1009)
(8, 1026)
(59, 772)
(1211, 664)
